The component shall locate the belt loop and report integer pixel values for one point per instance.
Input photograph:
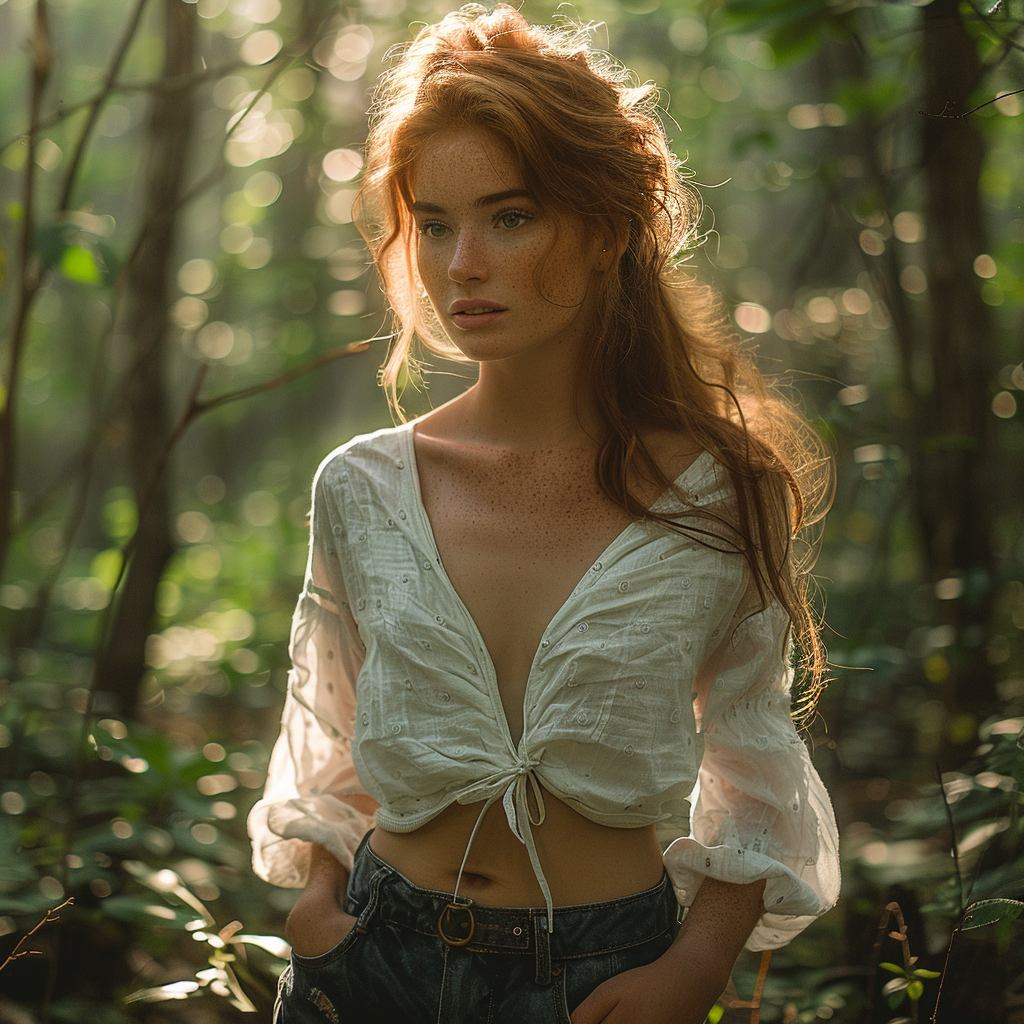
(542, 941)
(363, 921)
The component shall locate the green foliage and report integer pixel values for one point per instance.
(808, 113)
(907, 984)
(986, 912)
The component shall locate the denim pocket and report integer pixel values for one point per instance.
(335, 953)
(363, 918)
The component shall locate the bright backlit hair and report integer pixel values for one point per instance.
(661, 353)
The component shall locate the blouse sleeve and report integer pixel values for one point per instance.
(313, 794)
(761, 810)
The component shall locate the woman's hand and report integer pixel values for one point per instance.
(659, 993)
(681, 986)
(317, 922)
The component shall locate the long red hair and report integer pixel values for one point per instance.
(662, 353)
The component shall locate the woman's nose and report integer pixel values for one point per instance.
(469, 260)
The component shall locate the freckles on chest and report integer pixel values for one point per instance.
(522, 513)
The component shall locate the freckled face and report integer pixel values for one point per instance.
(480, 240)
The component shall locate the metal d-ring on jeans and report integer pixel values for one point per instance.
(394, 967)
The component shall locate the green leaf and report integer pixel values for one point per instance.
(892, 968)
(915, 990)
(79, 264)
(173, 990)
(278, 947)
(922, 973)
(143, 909)
(894, 986)
(986, 912)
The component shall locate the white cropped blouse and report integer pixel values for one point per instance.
(659, 694)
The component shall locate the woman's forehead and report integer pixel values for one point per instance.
(463, 166)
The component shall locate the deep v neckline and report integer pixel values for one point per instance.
(487, 662)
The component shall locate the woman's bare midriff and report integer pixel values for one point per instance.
(583, 862)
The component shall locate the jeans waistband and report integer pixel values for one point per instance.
(581, 930)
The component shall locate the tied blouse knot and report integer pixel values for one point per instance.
(659, 694)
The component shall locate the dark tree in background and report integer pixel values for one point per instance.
(147, 282)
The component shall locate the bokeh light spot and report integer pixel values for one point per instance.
(1004, 405)
(261, 47)
(753, 318)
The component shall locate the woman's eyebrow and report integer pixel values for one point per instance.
(489, 200)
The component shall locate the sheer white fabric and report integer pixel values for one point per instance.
(657, 667)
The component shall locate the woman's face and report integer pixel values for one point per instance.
(506, 277)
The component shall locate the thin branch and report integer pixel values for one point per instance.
(193, 409)
(284, 378)
(283, 60)
(97, 105)
(174, 84)
(967, 113)
(51, 917)
(891, 910)
(754, 1002)
(79, 462)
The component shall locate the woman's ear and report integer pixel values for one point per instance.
(610, 249)
(605, 257)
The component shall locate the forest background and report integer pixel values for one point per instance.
(185, 312)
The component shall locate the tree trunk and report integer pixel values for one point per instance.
(953, 479)
(145, 325)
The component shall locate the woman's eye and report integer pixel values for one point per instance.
(513, 218)
(433, 229)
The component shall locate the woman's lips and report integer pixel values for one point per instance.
(468, 314)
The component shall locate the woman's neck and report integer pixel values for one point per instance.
(533, 409)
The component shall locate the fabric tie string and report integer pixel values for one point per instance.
(512, 785)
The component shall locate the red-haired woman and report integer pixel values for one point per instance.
(534, 617)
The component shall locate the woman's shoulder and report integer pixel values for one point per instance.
(696, 475)
(368, 454)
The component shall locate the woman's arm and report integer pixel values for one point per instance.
(682, 985)
(318, 922)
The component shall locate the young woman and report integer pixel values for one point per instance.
(534, 616)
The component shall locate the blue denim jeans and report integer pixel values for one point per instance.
(394, 967)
